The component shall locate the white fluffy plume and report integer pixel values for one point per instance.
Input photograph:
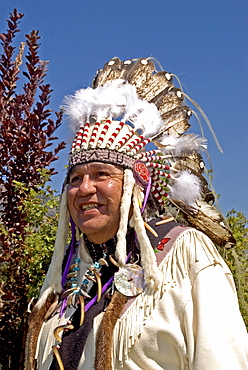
(181, 145)
(114, 99)
(186, 187)
(78, 107)
(145, 117)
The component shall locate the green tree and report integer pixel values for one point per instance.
(237, 258)
(41, 207)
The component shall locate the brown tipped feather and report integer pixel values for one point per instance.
(109, 72)
(176, 121)
(208, 220)
(140, 73)
(193, 162)
(154, 86)
(168, 100)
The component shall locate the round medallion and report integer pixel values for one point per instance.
(141, 173)
(129, 280)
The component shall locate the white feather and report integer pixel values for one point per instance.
(186, 187)
(131, 96)
(110, 100)
(133, 110)
(145, 117)
(149, 120)
(78, 107)
(113, 99)
(181, 145)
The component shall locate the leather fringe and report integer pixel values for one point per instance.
(104, 337)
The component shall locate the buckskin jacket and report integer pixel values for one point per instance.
(193, 322)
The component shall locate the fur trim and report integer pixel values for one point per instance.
(104, 338)
(148, 259)
(128, 184)
(35, 322)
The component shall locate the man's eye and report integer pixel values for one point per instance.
(75, 180)
(101, 175)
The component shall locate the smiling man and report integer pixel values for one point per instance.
(134, 289)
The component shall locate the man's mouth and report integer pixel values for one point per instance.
(87, 207)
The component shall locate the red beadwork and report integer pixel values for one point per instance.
(158, 165)
(135, 142)
(141, 173)
(116, 132)
(141, 145)
(162, 243)
(103, 133)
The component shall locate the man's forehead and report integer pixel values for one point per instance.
(96, 166)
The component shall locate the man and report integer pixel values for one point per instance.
(135, 289)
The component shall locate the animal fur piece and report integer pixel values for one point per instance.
(35, 322)
(104, 340)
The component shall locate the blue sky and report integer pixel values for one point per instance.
(203, 42)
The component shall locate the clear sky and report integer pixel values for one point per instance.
(203, 42)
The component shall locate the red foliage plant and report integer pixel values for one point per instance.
(26, 137)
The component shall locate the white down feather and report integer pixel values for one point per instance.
(186, 187)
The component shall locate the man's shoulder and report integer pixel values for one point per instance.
(162, 228)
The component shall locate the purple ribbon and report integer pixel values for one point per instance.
(71, 252)
(148, 188)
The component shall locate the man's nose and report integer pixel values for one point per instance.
(87, 186)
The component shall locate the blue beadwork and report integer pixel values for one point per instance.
(97, 265)
(76, 269)
(73, 279)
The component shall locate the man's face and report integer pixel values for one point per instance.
(94, 196)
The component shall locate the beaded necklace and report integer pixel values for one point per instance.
(75, 293)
